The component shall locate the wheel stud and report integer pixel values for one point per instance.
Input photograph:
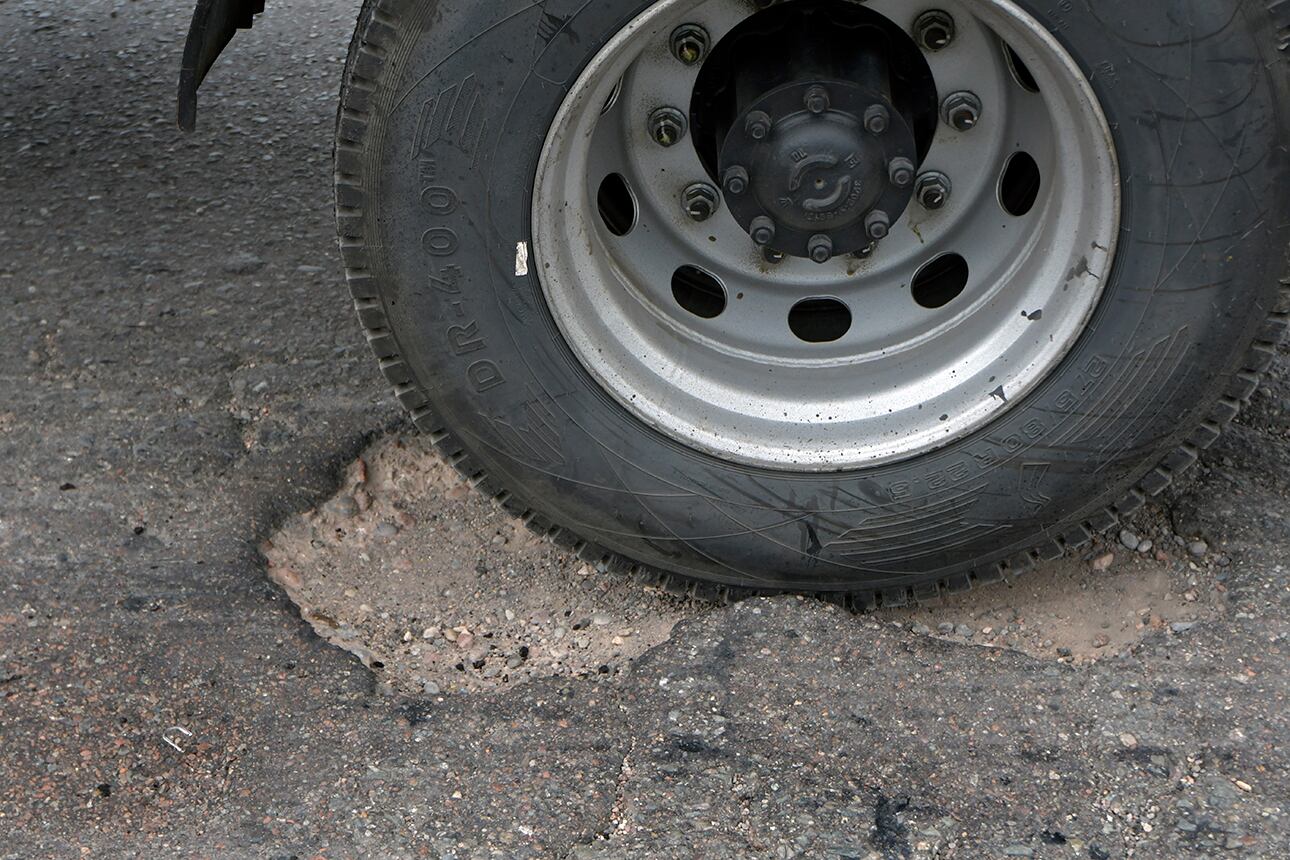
(701, 201)
(934, 30)
(758, 125)
(961, 111)
(667, 126)
(690, 44)
(901, 172)
(933, 190)
(763, 230)
(877, 119)
(820, 248)
(817, 99)
(878, 224)
(735, 180)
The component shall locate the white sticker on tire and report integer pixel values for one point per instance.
(521, 259)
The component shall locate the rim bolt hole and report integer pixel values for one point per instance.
(701, 201)
(667, 126)
(933, 190)
(934, 30)
(690, 44)
(961, 111)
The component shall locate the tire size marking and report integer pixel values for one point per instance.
(440, 243)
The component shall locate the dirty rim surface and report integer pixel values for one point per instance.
(788, 363)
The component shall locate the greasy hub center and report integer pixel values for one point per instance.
(816, 152)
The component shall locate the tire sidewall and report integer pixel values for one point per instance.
(456, 127)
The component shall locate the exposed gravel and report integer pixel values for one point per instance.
(170, 404)
(437, 589)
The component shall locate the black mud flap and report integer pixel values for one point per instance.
(214, 24)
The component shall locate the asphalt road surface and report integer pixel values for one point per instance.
(180, 376)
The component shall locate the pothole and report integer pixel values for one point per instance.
(438, 590)
(1081, 609)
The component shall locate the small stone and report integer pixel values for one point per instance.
(1104, 562)
(1129, 540)
(1101, 640)
(602, 619)
(945, 628)
(510, 614)
(242, 264)
(430, 688)
(343, 506)
(1198, 548)
(964, 631)
(1129, 741)
(363, 607)
(1145, 546)
(387, 530)
(1182, 626)
(920, 630)
(1018, 851)
(465, 640)
(430, 633)
(1243, 785)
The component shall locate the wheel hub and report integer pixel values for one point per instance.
(709, 204)
(815, 160)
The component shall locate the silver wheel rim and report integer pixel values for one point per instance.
(904, 379)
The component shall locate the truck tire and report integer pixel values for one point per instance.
(815, 296)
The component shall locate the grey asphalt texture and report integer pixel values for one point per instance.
(180, 372)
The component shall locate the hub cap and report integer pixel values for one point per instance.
(819, 174)
(838, 262)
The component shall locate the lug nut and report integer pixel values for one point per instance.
(933, 190)
(690, 44)
(878, 224)
(763, 230)
(934, 30)
(961, 111)
(735, 180)
(758, 125)
(877, 119)
(901, 172)
(667, 126)
(817, 99)
(701, 201)
(820, 248)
